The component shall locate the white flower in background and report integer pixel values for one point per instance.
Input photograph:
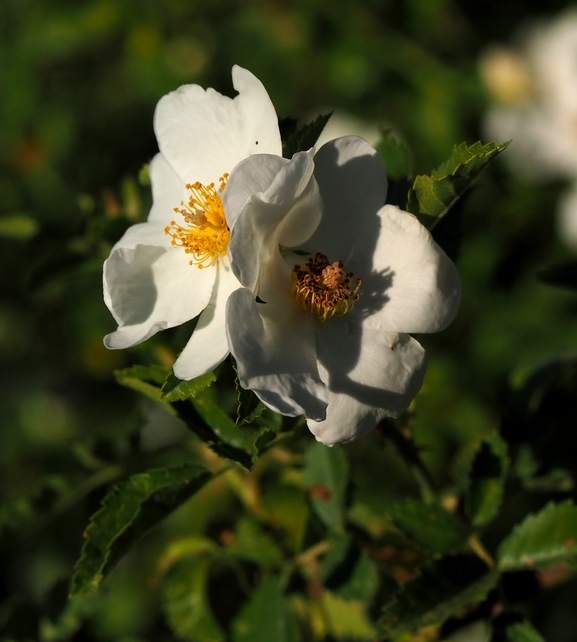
(567, 216)
(174, 267)
(333, 282)
(341, 123)
(535, 89)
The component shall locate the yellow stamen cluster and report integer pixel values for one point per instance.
(205, 233)
(323, 288)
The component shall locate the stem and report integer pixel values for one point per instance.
(477, 547)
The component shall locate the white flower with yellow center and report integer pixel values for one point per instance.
(174, 267)
(333, 282)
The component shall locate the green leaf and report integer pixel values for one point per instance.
(186, 602)
(510, 627)
(562, 275)
(146, 380)
(251, 543)
(215, 428)
(127, 512)
(18, 227)
(266, 616)
(487, 480)
(348, 572)
(326, 476)
(305, 137)
(543, 540)
(395, 154)
(431, 197)
(348, 620)
(430, 526)
(443, 588)
(250, 407)
(174, 389)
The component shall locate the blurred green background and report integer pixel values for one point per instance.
(78, 85)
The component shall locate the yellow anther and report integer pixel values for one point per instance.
(205, 232)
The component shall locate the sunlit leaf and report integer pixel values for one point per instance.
(146, 380)
(542, 540)
(127, 512)
(174, 389)
(348, 619)
(443, 588)
(431, 197)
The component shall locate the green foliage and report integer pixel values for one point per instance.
(252, 544)
(266, 616)
(127, 512)
(146, 380)
(19, 227)
(486, 480)
(186, 602)
(443, 587)
(326, 477)
(174, 389)
(250, 407)
(563, 274)
(430, 526)
(431, 197)
(542, 540)
(510, 627)
(304, 138)
(395, 154)
(348, 572)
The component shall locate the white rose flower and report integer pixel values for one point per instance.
(535, 89)
(174, 267)
(333, 282)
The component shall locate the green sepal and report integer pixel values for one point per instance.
(431, 197)
(443, 588)
(304, 138)
(486, 480)
(542, 540)
(128, 511)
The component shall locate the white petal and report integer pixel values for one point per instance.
(275, 352)
(251, 176)
(208, 346)
(287, 212)
(409, 283)
(204, 134)
(353, 187)
(369, 375)
(150, 233)
(149, 288)
(168, 190)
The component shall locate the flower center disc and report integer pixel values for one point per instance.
(323, 288)
(205, 232)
